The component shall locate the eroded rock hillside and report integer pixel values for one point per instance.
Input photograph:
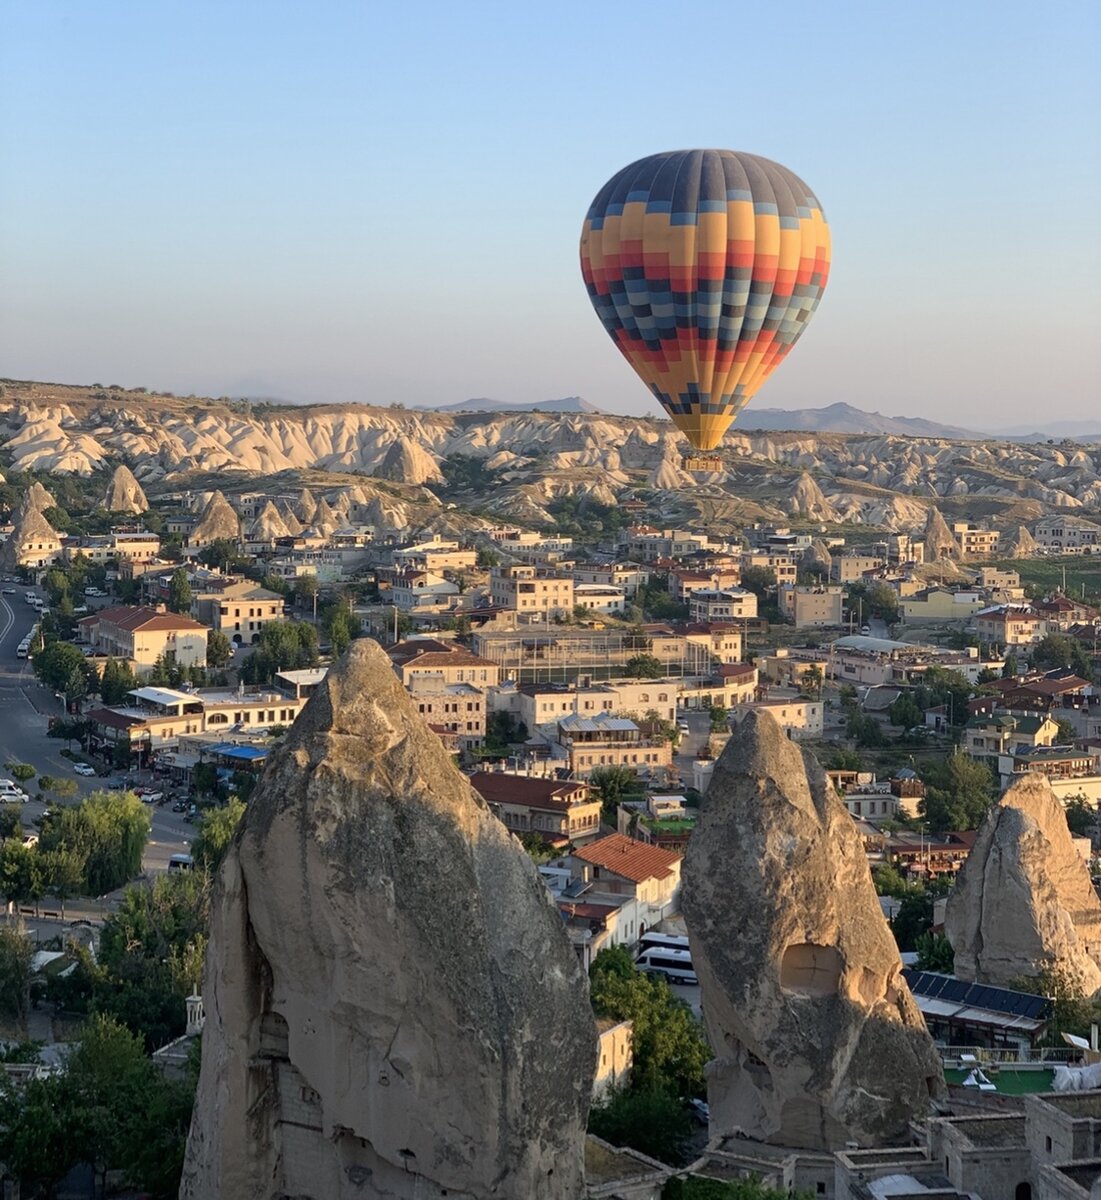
(534, 458)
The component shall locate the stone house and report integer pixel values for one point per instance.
(142, 635)
(622, 866)
(563, 811)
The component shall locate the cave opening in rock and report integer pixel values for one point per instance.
(808, 969)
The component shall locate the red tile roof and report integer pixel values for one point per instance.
(130, 618)
(633, 860)
(496, 787)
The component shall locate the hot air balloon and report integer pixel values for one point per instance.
(705, 267)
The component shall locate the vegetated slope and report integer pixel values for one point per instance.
(512, 465)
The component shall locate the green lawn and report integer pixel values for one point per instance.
(1010, 1082)
(1048, 573)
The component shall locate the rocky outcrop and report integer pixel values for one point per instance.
(817, 1039)
(817, 560)
(1017, 543)
(33, 541)
(808, 500)
(219, 522)
(306, 507)
(1023, 904)
(406, 462)
(939, 542)
(124, 493)
(37, 499)
(268, 525)
(393, 1007)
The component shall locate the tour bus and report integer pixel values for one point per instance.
(662, 941)
(181, 862)
(675, 965)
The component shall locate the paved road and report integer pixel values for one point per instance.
(25, 707)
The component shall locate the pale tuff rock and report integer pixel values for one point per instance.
(124, 493)
(816, 559)
(290, 519)
(1017, 543)
(817, 1039)
(36, 498)
(669, 476)
(324, 519)
(808, 500)
(393, 1007)
(306, 507)
(1023, 903)
(218, 522)
(939, 542)
(32, 541)
(406, 462)
(269, 525)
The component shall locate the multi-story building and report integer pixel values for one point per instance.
(627, 576)
(607, 741)
(998, 739)
(120, 545)
(239, 610)
(798, 718)
(446, 662)
(417, 591)
(974, 541)
(1009, 626)
(562, 811)
(456, 711)
(812, 607)
(902, 548)
(1067, 535)
(684, 581)
(532, 592)
(939, 604)
(848, 568)
(619, 865)
(730, 604)
(142, 635)
(544, 704)
(647, 543)
(783, 564)
(435, 555)
(599, 598)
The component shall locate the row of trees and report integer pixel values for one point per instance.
(90, 849)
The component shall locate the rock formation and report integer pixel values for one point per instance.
(290, 518)
(817, 1039)
(393, 1007)
(817, 560)
(268, 525)
(1023, 903)
(407, 462)
(324, 519)
(218, 522)
(124, 493)
(808, 500)
(36, 498)
(1017, 543)
(939, 542)
(306, 507)
(33, 541)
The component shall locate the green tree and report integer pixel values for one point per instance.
(116, 682)
(655, 1123)
(865, 730)
(1081, 816)
(179, 591)
(341, 626)
(63, 789)
(811, 682)
(41, 1131)
(221, 554)
(56, 663)
(913, 919)
(219, 651)
(1067, 733)
(216, 829)
(889, 881)
(18, 864)
(63, 874)
(305, 588)
(719, 718)
(644, 666)
(1009, 667)
(11, 822)
(905, 712)
(21, 772)
(669, 1048)
(935, 953)
(959, 791)
(538, 848)
(109, 830)
(16, 957)
(283, 645)
(612, 784)
(844, 760)
(761, 581)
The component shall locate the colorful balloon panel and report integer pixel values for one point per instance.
(705, 267)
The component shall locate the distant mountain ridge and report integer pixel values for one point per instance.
(843, 418)
(568, 404)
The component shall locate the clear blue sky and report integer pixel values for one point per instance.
(375, 202)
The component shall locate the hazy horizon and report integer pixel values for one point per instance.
(348, 203)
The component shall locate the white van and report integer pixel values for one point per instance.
(675, 965)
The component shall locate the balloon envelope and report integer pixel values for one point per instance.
(705, 267)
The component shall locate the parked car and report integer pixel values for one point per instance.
(700, 1111)
(9, 591)
(83, 769)
(180, 806)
